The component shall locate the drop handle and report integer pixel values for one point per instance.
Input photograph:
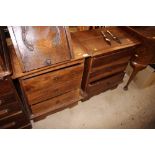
(136, 55)
(5, 111)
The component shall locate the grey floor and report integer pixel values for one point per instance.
(116, 108)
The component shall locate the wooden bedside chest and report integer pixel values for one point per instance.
(52, 79)
(105, 66)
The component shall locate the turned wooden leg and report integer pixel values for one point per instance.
(136, 68)
(134, 72)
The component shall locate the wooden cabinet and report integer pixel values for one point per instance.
(55, 70)
(106, 64)
(53, 90)
(105, 71)
(46, 87)
(12, 113)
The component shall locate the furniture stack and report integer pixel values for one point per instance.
(106, 64)
(52, 69)
(12, 113)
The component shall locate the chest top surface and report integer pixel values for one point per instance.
(94, 42)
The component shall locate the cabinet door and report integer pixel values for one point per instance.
(40, 46)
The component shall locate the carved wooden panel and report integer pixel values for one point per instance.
(40, 46)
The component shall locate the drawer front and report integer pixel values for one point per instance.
(13, 122)
(52, 84)
(9, 109)
(107, 71)
(56, 103)
(5, 86)
(105, 84)
(121, 56)
(7, 99)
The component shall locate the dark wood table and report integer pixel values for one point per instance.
(145, 53)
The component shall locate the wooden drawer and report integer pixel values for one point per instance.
(122, 56)
(46, 86)
(56, 103)
(8, 109)
(105, 84)
(5, 86)
(107, 71)
(13, 122)
(6, 99)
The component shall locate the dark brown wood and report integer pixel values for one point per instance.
(14, 121)
(9, 109)
(49, 82)
(10, 103)
(105, 67)
(10, 106)
(55, 103)
(5, 86)
(7, 98)
(145, 53)
(40, 46)
(94, 44)
(5, 65)
(38, 89)
(108, 71)
(104, 84)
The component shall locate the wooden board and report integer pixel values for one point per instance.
(40, 46)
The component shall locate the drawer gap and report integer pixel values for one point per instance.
(100, 80)
(52, 71)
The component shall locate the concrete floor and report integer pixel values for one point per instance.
(116, 108)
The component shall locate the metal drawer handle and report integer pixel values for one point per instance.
(5, 111)
(136, 55)
(9, 125)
